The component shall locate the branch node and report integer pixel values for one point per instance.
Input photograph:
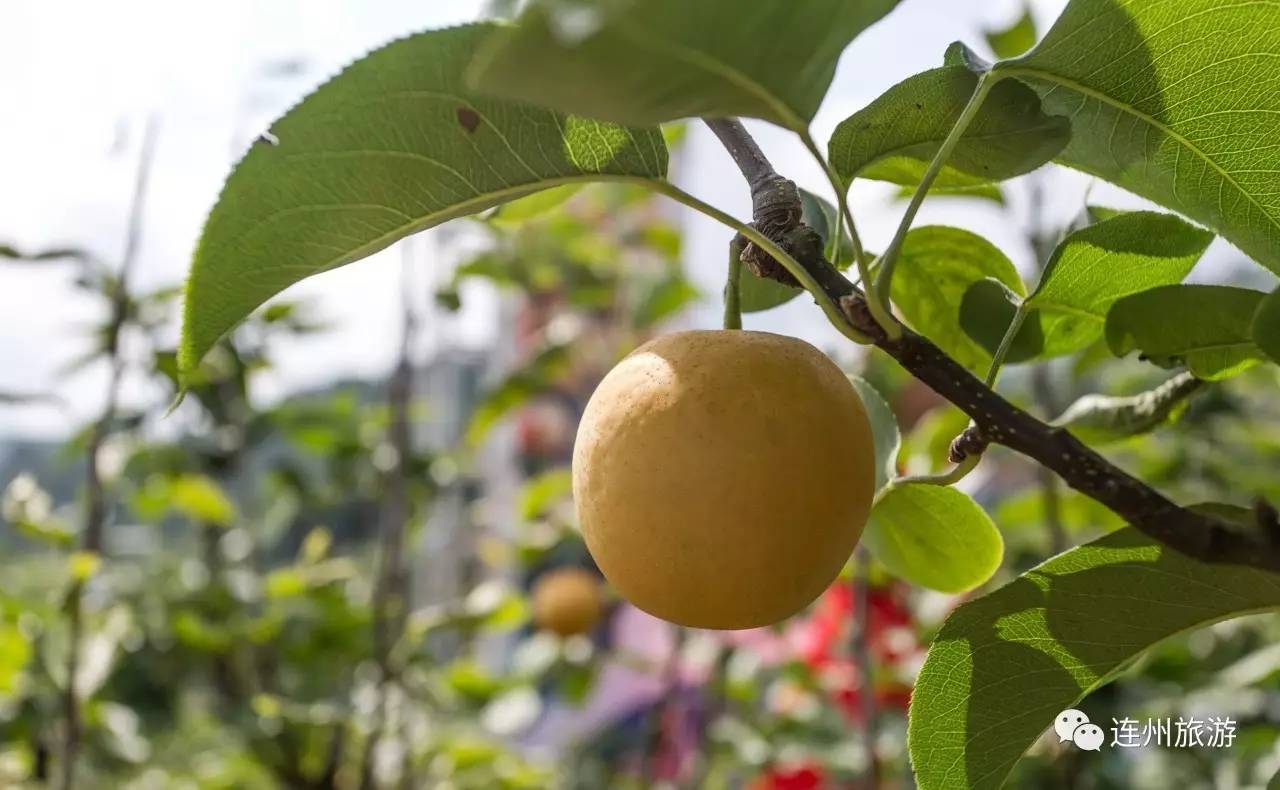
(970, 442)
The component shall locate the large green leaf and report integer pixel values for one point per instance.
(648, 62)
(1089, 271)
(1208, 328)
(392, 145)
(935, 268)
(1266, 326)
(1175, 100)
(884, 430)
(1004, 665)
(934, 536)
(1009, 136)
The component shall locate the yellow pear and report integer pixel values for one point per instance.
(567, 601)
(722, 478)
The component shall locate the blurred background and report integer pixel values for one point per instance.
(320, 569)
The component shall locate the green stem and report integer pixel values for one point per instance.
(947, 478)
(802, 275)
(1006, 343)
(733, 287)
(889, 259)
(878, 306)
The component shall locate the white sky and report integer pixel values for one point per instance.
(76, 76)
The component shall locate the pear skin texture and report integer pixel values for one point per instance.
(567, 601)
(722, 478)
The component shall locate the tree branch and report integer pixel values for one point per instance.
(996, 420)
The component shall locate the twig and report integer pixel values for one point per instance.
(998, 421)
(391, 592)
(862, 662)
(96, 506)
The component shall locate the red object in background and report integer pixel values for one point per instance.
(832, 618)
(806, 776)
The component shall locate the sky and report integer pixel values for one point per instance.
(79, 80)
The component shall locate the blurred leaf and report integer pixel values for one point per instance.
(630, 62)
(316, 545)
(934, 536)
(286, 583)
(15, 653)
(471, 681)
(1012, 41)
(1205, 327)
(1154, 96)
(522, 384)
(936, 267)
(663, 299)
(1004, 665)
(82, 565)
(884, 430)
(1097, 265)
(1266, 326)
(533, 206)
(393, 145)
(1009, 136)
(979, 191)
(201, 499)
(1097, 419)
(539, 493)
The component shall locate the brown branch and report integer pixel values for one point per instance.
(997, 421)
(390, 597)
(96, 505)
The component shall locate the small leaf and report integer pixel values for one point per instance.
(516, 390)
(934, 536)
(1205, 327)
(660, 60)
(757, 293)
(1087, 273)
(1096, 265)
(1174, 101)
(1004, 665)
(200, 498)
(1014, 40)
(393, 145)
(539, 493)
(936, 267)
(884, 430)
(533, 206)
(986, 311)
(82, 565)
(1008, 137)
(1266, 326)
(1097, 419)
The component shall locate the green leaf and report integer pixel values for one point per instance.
(986, 311)
(757, 294)
(200, 498)
(978, 191)
(516, 390)
(1205, 327)
(1004, 665)
(1097, 419)
(936, 267)
(1014, 40)
(934, 536)
(539, 493)
(1087, 273)
(1009, 136)
(884, 430)
(1175, 101)
(659, 60)
(1266, 326)
(393, 145)
(533, 206)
